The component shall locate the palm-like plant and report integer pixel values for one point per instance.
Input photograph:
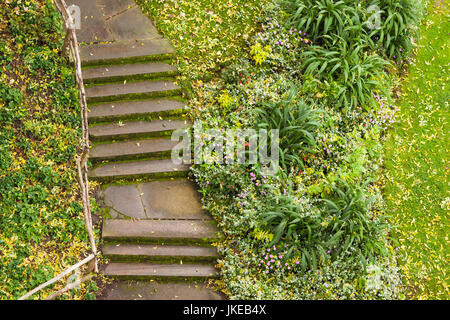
(358, 73)
(394, 34)
(351, 224)
(287, 222)
(320, 17)
(296, 122)
(343, 222)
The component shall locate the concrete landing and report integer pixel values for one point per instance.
(112, 20)
(176, 199)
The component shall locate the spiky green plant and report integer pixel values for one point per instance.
(397, 17)
(320, 17)
(359, 73)
(288, 222)
(297, 123)
(350, 223)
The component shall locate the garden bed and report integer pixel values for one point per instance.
(318, 229)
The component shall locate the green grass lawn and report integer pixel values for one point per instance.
(417, 150)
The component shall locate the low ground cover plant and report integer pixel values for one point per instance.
(41, 220)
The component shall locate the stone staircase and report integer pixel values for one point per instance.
(156, 231)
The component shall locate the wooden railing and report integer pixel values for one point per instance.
(71, 44)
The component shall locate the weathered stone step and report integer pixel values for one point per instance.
(160, 231)
(135, 109)
(145, 290)
(126, 52)
(167, 199)
(131, 90)
(135, 71)
(139, 169)
(147, 148)
(135, 129)
(160, 254)
(164, 272)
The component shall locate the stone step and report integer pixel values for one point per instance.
(162, 272)
(135, 129)
(159, 254)
(164, 232)
(135, 71)
(135, 109)
(147, 148)
(145, 290)
(131, 91)
(126, 52)
(164, 168)
(167, 199)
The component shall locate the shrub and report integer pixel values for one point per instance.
(350, 224)
(296, 122)
(321, 232)
(397, 20)
(352, 20)
(295, 222)
(358, 73)
(320, 17)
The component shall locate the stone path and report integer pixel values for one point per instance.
(157, 236)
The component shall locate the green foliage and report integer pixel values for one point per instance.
(320, 17)
(346, 35)
(296, 123)
(398, 18)
(351, 224)
(218, 29)
(341, 223)
(27, 26)
(287, 220)
(40, 211)
(359, 74)
(352, 21)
